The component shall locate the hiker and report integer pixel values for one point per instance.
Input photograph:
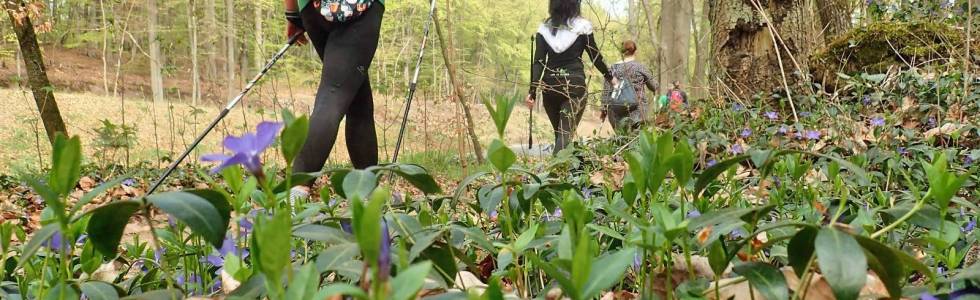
(558, 67)
(675, 97)
(627, 109)
(345, 35)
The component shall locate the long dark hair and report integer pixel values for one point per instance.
(562, 12)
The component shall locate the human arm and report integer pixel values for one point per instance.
(648, 79)
(294, 23)
(537, 65)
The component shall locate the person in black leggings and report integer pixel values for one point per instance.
(558, 69)
(346, 45)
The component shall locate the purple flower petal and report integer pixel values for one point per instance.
(239, 158)
(384, 258)
(215, 260)
(215, 157)
(265, 134)
(237, 144)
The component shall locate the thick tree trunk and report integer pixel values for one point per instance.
(445, 43)
(835, 16)
(156, 75)
(675, 41)
(34, 63)
(745, 49)
(656, 53)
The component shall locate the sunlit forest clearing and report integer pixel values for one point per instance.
(726, 149)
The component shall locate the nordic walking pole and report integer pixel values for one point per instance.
(412, 85)
(224, 112)
(530, 113)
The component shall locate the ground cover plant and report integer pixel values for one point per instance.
(791, 212)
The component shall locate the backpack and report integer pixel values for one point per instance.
(342, 10)
(623, 94)
(676, 100)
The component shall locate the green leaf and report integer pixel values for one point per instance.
(40, 237)
(88, 197)
(800, 249)
(709, 175)
(418, 177)
(422, 241)
(905, 260)
(367, 224)
(444, 261)
(765, 278)
(566, 283)
(169, 294)
(607, 271)
(294, 137)
(501, 156)
(340, 289)
(335, 256)
(409, 282)
(66, 162)
(525, 238)
(969, 273)
(106, 226)
(51, 198)
(197, 212)
(99, 290)
(62, 291)
(273, 245)
(889, 272)
(358, 184)
(718, 257)
(90, 258)
(320, 233)
(842, 263)
(304, 285)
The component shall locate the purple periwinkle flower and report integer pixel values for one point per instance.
(345, 225)
(738, 233)
(783, 130)
(737, 149)
(927, 296)
(805, 114)
(557, 213)
(941, 271)
(694, 213)
(216, 287)
(866, 100)
(586, 193)
(970, 226)
(771, 115)
(493, 215)
(171, 221)
(637, 261)
(129, 182)
(745, 133)
(244, 225)
(738, 107)
(384, 258)
(968, 161)
(902, 151)
(877, 122)
(158, 254)
(246, 149)
(931, 122)
(813, 135)
(712, 163)
(57, 242)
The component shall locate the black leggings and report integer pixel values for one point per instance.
(346, 50)
(564, 102)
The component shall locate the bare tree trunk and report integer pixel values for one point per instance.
(36, 74)
(675, 39)
(211, 22)
(105, 48)
(195, 66)
(657, 53)
(259, 38)
(230, 62)
(156, 76)
(702, 41)
(835, 16)
(633, 24)
(445, 42)
(745, 53)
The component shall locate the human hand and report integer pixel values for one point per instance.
(529, 101)
(292, 29)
